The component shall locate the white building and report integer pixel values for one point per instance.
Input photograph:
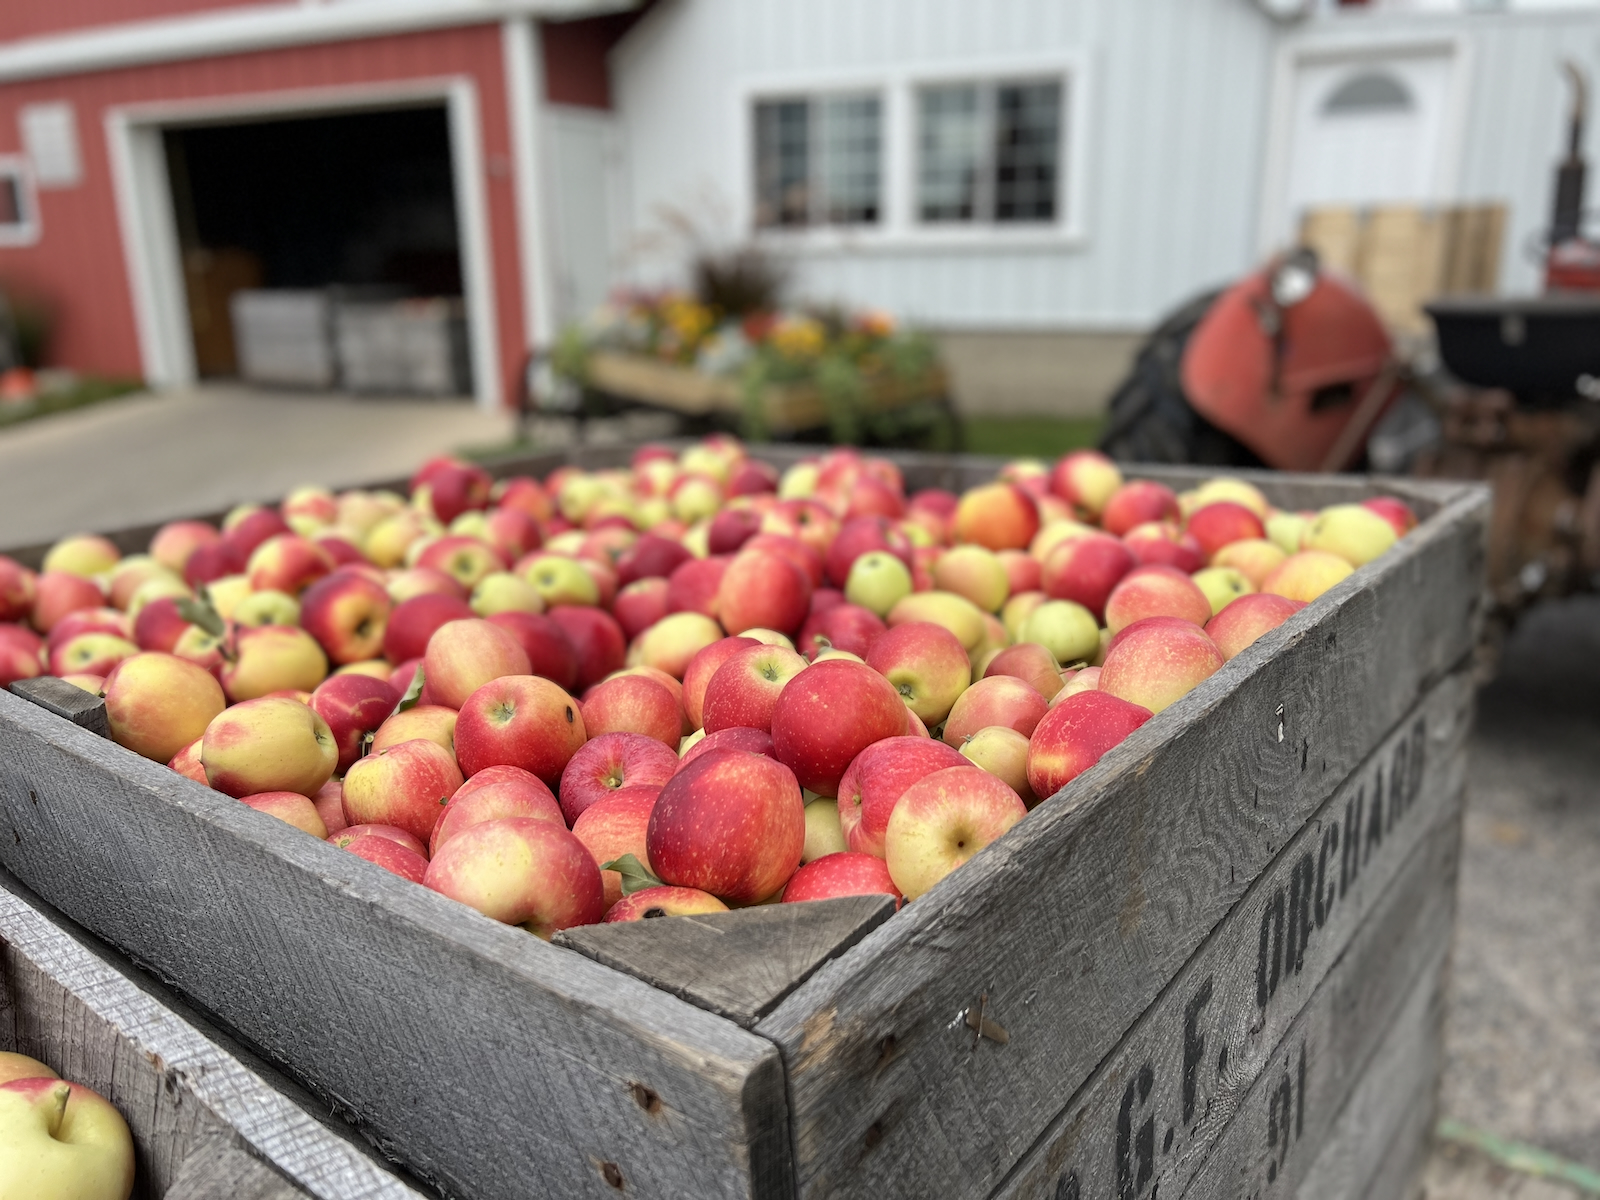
(1042, 179)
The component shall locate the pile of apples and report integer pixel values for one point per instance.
(677, 687)
(59, 1140)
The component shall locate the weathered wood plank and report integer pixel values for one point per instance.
(1342, 1109)
(1333, 905)
(178, 1090)
(1157, 843)
(65, 700)
(219, 1170)
(493, 1063)
(737, 964)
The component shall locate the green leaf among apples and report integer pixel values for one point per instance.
(635, 875)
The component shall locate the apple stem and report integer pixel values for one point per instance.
(60, 1095)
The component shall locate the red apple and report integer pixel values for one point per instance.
(253, 527)
(732, 528)
(422, 581)
(942, 820)
(1024, 572)
(156, 704)
(467, 560)
(842, 874)
(616, 825)
(841, 626)
(927, 665)
(186, 762)
(634, 704)
(91, 654)
(857, 537)
(1243, 620)
(385, 852)
(828, 714)
(213, 561)
(998, 516)
(550, 651)
(347, 613)
(1154, 664)
(664, 902)
(57, 593)
(18, 588)
(268, 745)
(448, 487)
(176, 541)
(1085, 479)
(609, 762)
(287, 563)
(1136, 502)
(432, 721)
(353, 706)
(404, 786)
(1396, 512)
(763, 590)
(329, 803)
(693, 586)
(522, 872)
(1074, 734)
(413, 622)
(729, 823)
(291, 808)
(700, 670)
(745, 689)
(1031, 663)
(640, 605)
(753, 741)
(597, 639)
(464, 655)
(996, 700)
(1156, 592)
(877, 778)
(520, 721)
(1164, 543)
(1085, 570)
(159, 625)
(490, 795)
(87, 620)
(1221, 522)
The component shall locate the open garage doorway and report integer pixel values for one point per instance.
(354, 207)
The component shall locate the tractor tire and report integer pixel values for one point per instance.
(1149, 419)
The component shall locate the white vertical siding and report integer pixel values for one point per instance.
(1176, 136)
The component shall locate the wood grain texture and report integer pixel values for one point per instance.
(737, 964)
(1071, 926)
(178, 1090)
(492, 1063)
(219, 1170)
(1332, 906)
(1368, 1148)
(65, 700)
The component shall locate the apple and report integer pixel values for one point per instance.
(186, 762)
(1024, 573)
(616, 825)
(464, 655)
(523, 872)
(640, 605)
(511, 532)
(310, 505)
(1136, 502)
(927, 666)
(18, 588)
(524, 494)
(353, 706)
(672, 642)
(1306, 574)
(1222, 586)
(859, 536)
(610, 762)
(878, 580)
(266, 608)
(159, 625)
(1085, 479)
(411, 624)
(432, 721)
(393, 856)
(60, 1141)
(132, 573)
(1396, 512)
(59, 593)
(156, 704)
(1254, 558)
(291, 808)
(176, 541)
(1155, 663)
(1235, 490)
(941, 821)
(744, 690)
(824, 833)
(1165, 543)
(843, 626)
(763, 589)
(596, 639)
(752, 477)
(273, 658)
(693, 586)
(550, 651)
(651, 557)
(1065, 628)
(1018, 609)
(491, 794)
(652, 902)
(1221, 522)
(998, 516)
(520, 721)
(841, 874)
(348, 614)
(955, 613)
(1353, 532)
(91, 653)
(729, 823)
(633, 704)
(404, 785)
(975, 573)
(411, 582)
(1031, 662)
(93, 684)
(701, 668)
(828, 714)
(805, 521)
(21, 654)
(1284, 529)
(268, 745)
(1003, 752)
(84, 554)
(448, 487)
(559, 580)
(1245, 619)
(388, 833)
(20, 1066)
(377, 668)
(212, 561)
(287, 563)
(755, 741)
(1155, 592)
(730, 529)
(875, 780)
(87, 620)
(1073, 736)
(995, 700)
(329, 803)
(467, 560)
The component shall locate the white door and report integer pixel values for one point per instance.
(1367, 130)
(583, 150)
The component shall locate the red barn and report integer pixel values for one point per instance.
(157, 155)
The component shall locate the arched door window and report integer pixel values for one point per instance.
(1369, 93)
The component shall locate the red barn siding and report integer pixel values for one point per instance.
(575, 70)
(34, 18)
(78, 264)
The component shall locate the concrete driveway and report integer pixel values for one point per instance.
(148, 457)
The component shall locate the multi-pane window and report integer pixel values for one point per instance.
(819, 160)
(19, 214)
(989, 152)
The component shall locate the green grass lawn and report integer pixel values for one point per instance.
(1030, 437)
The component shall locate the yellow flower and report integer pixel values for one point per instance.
(799, 337)
(686, 317)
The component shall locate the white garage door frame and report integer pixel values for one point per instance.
(150, 232)
(1275, 222)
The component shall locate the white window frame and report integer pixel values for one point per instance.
(812, 97)
(899, 229)
(27, 231)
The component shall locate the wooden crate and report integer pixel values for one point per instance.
(1211, 966)
(204, 1124)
